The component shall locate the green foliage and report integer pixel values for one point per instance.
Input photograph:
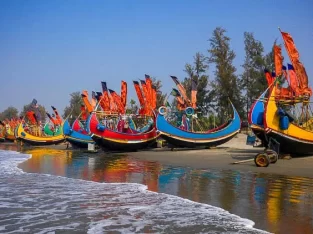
(204, 123)
(10, 112)
(252, 79)
(198, 73)
(133, 107)
(226, 83)
(269, 61)
(41, 108)
(160, 95)
(74, 108)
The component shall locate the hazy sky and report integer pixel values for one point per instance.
(49, 49)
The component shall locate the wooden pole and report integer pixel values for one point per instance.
(243, 161)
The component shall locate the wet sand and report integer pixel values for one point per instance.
(223, 156)
(271, 197)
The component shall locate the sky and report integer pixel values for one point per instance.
(49, 49)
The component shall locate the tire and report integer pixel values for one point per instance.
(262, 160)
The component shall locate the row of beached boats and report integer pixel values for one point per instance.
(104, 120)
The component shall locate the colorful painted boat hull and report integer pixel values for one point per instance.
(76, 138)
(29, 139)
(116, 141)
(49, 132)
(294, 139)
(256, 118)
(10, 137)
(180, 138)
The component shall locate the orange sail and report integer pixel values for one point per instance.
(113, 106)
(153, 97)
(139, 93)
(84, 96)
(53, 120)
(124, 94)
(117, 101)
(146, 97)
(298, 66)
(58, 117)
(268, 77)
(149, 90)
(105, 100)
(181, 90)
(294, 83)
(93, 100)
(278, 60)
(181, 105)
(144, 90)
(193, 94)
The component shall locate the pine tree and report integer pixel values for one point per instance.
(253, 81)
(75, 105)
(10, 112)
(198, 72)
(226, 83)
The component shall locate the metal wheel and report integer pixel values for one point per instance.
(262, 160)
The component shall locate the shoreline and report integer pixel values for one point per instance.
(222, 157)
(218, 158)
(261, 199)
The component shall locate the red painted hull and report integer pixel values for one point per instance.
(113, 140)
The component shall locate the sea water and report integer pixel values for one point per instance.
(42, 203)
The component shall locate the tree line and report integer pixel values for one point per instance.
(241, 89)
(212, 93)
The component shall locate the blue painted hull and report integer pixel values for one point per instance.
(77, 139)
(256, 118)
(180, 138)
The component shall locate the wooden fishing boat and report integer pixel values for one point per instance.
(76, 135)
(278, 124)
(288, 115)
(182, 138)
(38, 140)
(129, 140)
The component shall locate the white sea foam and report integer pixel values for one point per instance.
(39, 203)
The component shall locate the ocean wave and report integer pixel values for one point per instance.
(40, 203)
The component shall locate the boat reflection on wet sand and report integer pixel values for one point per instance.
(270, 201)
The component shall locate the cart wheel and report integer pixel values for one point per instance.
(261, 160)
(273, 156)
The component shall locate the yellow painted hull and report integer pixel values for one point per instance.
(30, 139)
(295, 139)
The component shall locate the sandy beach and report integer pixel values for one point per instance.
(224, 155)
(270, 197)
(221, 157)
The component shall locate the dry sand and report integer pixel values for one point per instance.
(223, 156)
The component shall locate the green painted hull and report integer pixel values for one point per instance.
(49, 132)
